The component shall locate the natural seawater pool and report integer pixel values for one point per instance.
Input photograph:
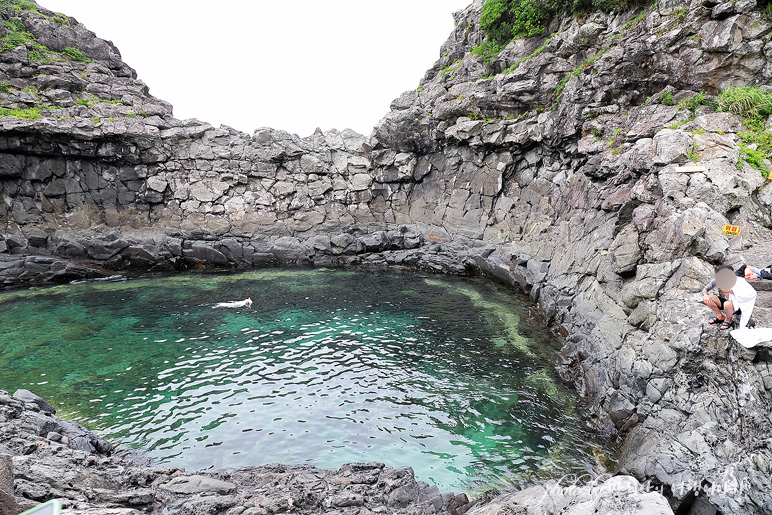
(447, 375)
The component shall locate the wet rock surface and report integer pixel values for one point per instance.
(559, 167)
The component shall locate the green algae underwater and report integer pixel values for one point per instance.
(446, 375)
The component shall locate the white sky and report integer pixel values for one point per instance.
(291, 65)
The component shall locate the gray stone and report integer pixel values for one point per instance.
(28, 396)
(198, 484)
(7, 500)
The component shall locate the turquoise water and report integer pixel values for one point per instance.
(446, 375)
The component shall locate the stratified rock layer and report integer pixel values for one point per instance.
(556, 167)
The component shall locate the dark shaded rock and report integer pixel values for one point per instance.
(28, 396)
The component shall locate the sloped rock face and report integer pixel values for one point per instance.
(557, 167)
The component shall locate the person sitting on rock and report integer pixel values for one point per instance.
(735, 296)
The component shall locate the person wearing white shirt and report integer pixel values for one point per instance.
(736, 295)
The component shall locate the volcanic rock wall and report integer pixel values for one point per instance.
(557, 167)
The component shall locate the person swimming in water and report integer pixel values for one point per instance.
(246, 303)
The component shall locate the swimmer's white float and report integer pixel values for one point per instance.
(246, 303)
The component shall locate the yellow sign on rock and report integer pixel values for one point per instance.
(770, 175)
(731, 230)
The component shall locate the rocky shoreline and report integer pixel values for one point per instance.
(45, 457)
(591, 168)
(50, 458)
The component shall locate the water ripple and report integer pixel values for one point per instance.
(320, 370)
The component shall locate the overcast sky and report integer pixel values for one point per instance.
(291, 65)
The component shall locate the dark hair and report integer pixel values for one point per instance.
(725, 267)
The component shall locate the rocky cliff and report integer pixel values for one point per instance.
(592, 167)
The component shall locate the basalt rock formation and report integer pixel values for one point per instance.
(556, 166)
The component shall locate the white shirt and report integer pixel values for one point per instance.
(743, 297)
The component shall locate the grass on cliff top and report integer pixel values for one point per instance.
(19, 5)
(749, 102)
(754, 105)
(503, 21)
(17, 35)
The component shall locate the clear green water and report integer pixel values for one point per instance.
(327, 367)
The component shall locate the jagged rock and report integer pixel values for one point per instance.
(618, 495)
(28, 396)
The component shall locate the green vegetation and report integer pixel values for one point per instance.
(533, 54)
(487, 49)
(61, 20)
(76, 55)
(676, 125)
(452, 67)
(749, 102)
(26, 113)
(754, 157)
(420, 89)
(19, 5)
(577, 71)
(505, 20)
(693, 102)
(597, 133)
(667, 99)
(17, 36)
(93, 99)
(766, 7)
(32, 113)
(754, 105)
